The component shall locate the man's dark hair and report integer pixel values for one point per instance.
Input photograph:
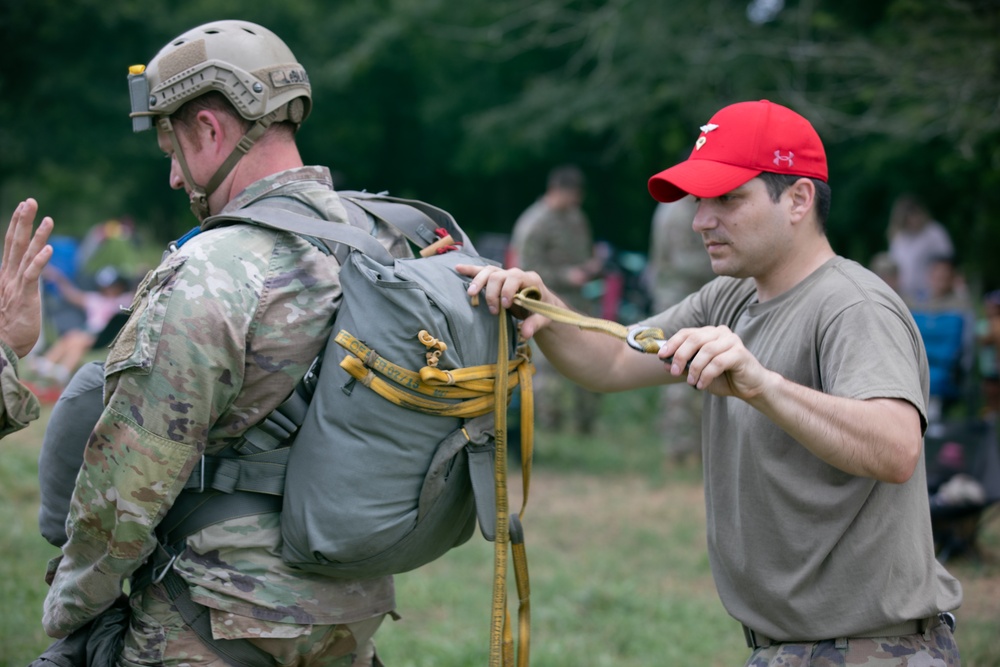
(778, 183)
(210, 101)
(217, 102)
(566, 177)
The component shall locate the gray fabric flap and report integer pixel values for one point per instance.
(481, 450)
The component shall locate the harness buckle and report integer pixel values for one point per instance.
(948, 618)
(201, 474)
(311, 377)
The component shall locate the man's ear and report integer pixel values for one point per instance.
(211, 129)
(802, 199)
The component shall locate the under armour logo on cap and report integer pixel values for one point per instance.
(785, 161)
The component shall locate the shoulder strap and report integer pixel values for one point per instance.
(416, 220)
(304, 225)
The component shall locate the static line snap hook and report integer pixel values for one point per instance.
(645, 340)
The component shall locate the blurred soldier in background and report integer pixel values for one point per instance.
(678, 266)
(553, 237)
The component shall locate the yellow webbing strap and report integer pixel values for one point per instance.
(470, 382)
(472, 407)
(485, 388)
(508, 528)
(649, 339)
(523, 590)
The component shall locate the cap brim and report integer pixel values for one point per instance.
(701, 178)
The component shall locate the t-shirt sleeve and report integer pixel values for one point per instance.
(870, 351)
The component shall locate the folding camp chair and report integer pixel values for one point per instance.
(963, 479)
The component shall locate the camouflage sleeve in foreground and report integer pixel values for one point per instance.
(19, 405)
(176, 366)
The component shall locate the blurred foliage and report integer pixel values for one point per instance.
(468, 105)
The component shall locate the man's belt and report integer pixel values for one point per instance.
(756, 640)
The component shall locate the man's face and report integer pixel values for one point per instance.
(176, 175)
(563, 199)
(941, 278)
(200, 161)
(745, 233)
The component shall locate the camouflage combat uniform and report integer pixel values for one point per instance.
(551, 243)
(219, 335)
(19, 405)
(938, 649)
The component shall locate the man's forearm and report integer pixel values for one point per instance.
(878, 438)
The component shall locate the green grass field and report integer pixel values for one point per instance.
(617, 558)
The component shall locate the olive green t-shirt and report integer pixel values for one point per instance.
(801, 550)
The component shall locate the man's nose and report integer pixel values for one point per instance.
(703, 218)
(176, 178)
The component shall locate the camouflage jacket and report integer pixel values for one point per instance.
(19, 405)
(219, 335)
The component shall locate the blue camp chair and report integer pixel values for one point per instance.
(945, 338)
(61, 315)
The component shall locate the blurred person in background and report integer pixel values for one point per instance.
(678, 266)
(914, 239)
(554, 238)
(947, 322)
(100, 307)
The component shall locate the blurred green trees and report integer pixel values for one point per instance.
(469, 104)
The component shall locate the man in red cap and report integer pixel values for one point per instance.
(815, 382)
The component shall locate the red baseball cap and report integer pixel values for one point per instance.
(737, 144)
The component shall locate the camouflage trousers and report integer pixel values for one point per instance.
(158, 636)
(938, 649)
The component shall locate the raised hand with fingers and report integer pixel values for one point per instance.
(24, 257)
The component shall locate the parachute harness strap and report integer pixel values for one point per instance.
(648, 339)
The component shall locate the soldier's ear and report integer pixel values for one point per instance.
(214, 129)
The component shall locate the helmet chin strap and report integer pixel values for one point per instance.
(199, 195)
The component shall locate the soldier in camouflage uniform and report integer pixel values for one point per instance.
(815, 382)
(24, 257)
(553, 237)
(219, 335)
(678, 266)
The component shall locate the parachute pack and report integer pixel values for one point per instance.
(394, 444)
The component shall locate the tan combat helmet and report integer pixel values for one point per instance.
(247, 63)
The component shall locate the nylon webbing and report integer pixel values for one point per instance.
(235, 652)
(508, 530)
(193, 511)
(528, 298)
(304, 225)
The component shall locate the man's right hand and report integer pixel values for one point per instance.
(499, 286)
(24, 257)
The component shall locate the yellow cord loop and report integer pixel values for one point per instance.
(435, 348)
(647, 340)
